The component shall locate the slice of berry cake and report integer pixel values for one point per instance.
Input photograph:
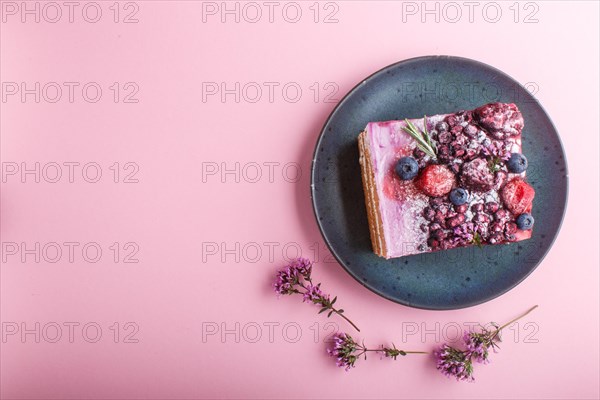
(446, 181)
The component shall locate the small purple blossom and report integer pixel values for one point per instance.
(454, 363)
(314, 294)
(347, 351)
(285, 281)
(303, 266)
(459, 363)
(344, 349)
(478, 344)
(290, 276)
(295, 278)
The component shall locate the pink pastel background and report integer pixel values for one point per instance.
(180, 291)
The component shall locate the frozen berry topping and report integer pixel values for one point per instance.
(476, 175)
(525, 221)
(517, 163)
(459, 196)
(436, 180)
(407, 168)
(518, 195)
(468, 172)
(501, 119)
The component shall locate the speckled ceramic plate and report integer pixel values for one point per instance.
(448, 279)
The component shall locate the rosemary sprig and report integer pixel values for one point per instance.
(421, 137)
(427, 134)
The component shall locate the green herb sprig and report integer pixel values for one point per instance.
(477, 240)
(422, 138)
(495, 164)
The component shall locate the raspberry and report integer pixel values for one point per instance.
(456, 129)
(438, 234)
(491, 207)
(477, 207)
(481, 218)
(444, 137)
(428, 213)
(435, 226)
(444, 208)
(436, 180)
(433, 243)
(455, 221)
(452, 120)
(518, 196)
(440, 218)
(470, 130)
(467, 116)
(461, 209)
(496, 227)
(476, 175)
(502, 216)
(495, 238)
(501, 119)
(460, 140)
(443, 153)
(471, 153)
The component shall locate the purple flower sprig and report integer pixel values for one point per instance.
(347, 351)
(295, 278)
(457, 363)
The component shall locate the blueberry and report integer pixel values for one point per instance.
(407, 168)
(459, 196)
(525, 221)
(517, 163)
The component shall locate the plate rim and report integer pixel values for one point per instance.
(334, 252)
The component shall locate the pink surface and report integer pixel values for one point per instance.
(216, 194)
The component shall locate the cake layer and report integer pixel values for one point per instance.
(408, 216)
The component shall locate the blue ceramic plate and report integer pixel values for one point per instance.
(448, 279)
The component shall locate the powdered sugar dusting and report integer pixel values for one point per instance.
(413, 222)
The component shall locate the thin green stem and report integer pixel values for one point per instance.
(343, 316)
(497, 331)
(407, 352)
(518, 318)
(328, 305)
(421, 137)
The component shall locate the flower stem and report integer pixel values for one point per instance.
(407, 352)
(325, 303)
(516, 319)
(343, 316)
